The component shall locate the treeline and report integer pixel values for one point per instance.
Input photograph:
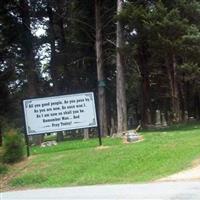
(138, 56)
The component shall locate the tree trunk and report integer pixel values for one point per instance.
(62, 58)
(100, 72)
(53, 68)
(197, 105)
(183, 97)
(145, 99)
(142, 56)
(86, 134)
(60, 136)
(171, 70)
(27, 46)
(188, 94)
(112, 126)
(29, 56)
(120, 79)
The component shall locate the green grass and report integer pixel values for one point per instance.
(74, 145)
(162, 153)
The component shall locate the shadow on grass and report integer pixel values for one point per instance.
(93, 142)
(63, 146)
(175, 127)
(74, 145)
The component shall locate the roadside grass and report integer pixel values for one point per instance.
(161, 153)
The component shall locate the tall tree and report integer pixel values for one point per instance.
(29, 55)
(54, 72)
(28, 49)
(120, 79)
(158, 32)
(100, 71)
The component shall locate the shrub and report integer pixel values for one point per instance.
(3, 168)
(13, 147)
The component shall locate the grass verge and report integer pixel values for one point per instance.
(80, 163)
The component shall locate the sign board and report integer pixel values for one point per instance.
(59, 113)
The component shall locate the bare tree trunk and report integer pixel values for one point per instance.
(27, 46)
(62, 56)
(175, 89)
(86, 134)
(113, 126)
(120, 81)
(100, 72)
(171, 69)
(52, 35)
(60, 136)
(197, 104)
(182, 101)
(53, 63)
(29, 56)
(143, 56)
(183, 97)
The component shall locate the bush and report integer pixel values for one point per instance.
(3, 168)
(13, 147)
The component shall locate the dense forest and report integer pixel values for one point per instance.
(138, 56)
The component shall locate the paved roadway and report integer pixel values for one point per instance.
(185, 190)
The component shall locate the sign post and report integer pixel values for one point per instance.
(27, 145)
(59, 113)
(26, 136)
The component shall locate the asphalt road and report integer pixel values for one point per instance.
(186, 190)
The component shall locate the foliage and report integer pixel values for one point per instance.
(63, 56)
(3, 168)
(162, 38)
(13, 147)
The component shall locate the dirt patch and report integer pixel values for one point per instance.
(102, 147)
(196, 162)
(190, 174)
(14, 171)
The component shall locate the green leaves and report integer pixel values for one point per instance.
(13, 147)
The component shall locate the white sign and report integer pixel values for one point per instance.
(59, 113)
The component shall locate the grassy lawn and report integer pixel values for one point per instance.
(161, 153)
